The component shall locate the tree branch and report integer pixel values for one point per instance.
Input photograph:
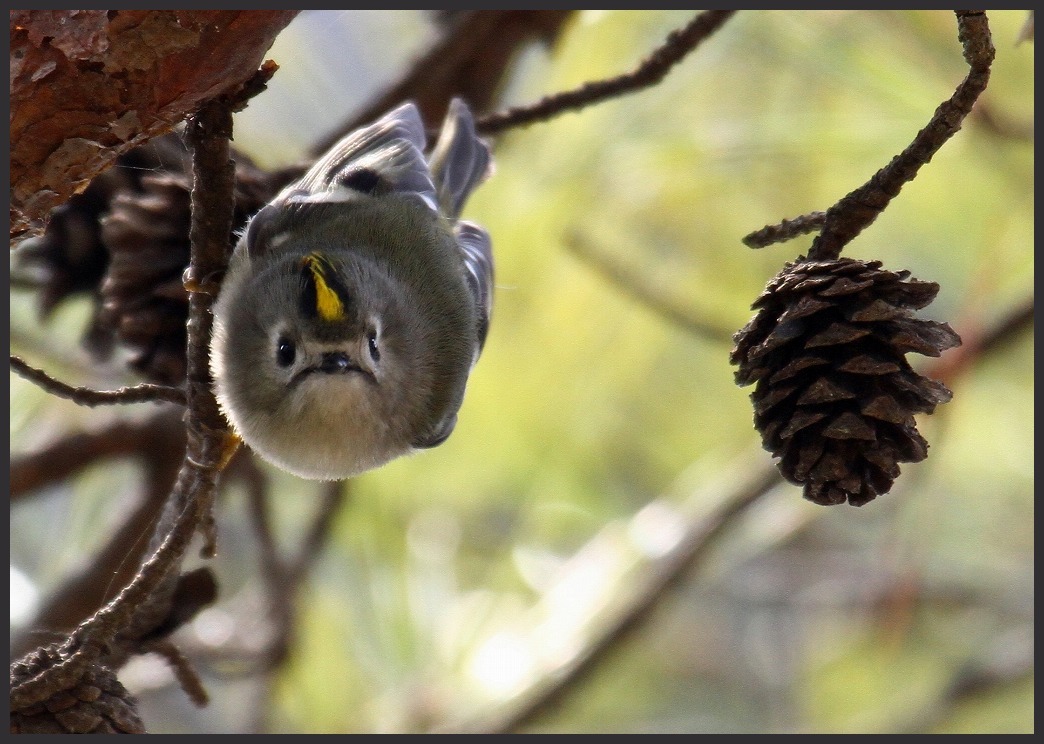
(650, 588)
(785, 230)
(123, 626)
(83, 396)
(647, 292)
(856, 211)
(650, 72)
(468, 60)
(89, 85)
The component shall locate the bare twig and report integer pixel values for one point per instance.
(1026, 32)
(257, 493)
(96, 635)
(83, 396)
(650, 72)
(854, 212)
(1001, 125)
(213, 171)
(334, 497)
(157, 443)
(285, 574)
(1006, 661)
(186, 675)
(159, 436)
(785, 230)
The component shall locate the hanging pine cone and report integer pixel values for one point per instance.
(70, 257)
(147, 236)
(143, 300)
(125, 240)
(835, 397)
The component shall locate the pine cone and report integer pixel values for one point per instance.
(126, 241)
(96, 704)
(70, 257)
(144, 302)
(835, 397)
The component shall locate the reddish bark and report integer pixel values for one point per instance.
(88, 85)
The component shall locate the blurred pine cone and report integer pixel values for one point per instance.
(125, 240)
(835, 397)
(147, 236)
(70, 258)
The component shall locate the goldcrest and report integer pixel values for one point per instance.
(356, 302)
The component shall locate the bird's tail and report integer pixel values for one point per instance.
(459, 161)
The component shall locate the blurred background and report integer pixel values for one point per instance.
(602, 430)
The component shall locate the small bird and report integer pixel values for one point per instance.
(356, 302)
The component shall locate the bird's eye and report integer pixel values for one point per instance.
(371, 342)
(286, 352)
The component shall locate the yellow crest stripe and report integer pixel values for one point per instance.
(328, 303)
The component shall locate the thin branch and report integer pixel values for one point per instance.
(785, 230)
(650, 72)
(649, 293)
(334, 497)
(83, 396)
(1001, 125)
(185, 674)
(96, 635)
(687, 554)
(285, 574)
(1026, 32)
(209, 133)
(115, 564)
(160, 436)
(1006, 661)
(284, 577)
(856, 211)
(468, 60)
(257, 492)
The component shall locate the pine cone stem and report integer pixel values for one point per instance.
(853, 213)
